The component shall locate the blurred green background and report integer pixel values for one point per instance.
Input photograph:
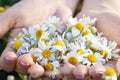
(5, 4)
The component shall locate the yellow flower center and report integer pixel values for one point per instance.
(92, 58)
(86, 32)
(32, 46)
(80, 50)
(39, 33)
(2, 9)
(28, 35)
(46, 53)
(49, 66)
(79, 26)
(18, 37)
(73, 60)
(17, 44)
(89, 25)
(59, 43)
(109, 72)
(34, 57)
(55, 24)
(42, 39)
(89, 41)
(104, 53)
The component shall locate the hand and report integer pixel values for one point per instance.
(108, 18)
(22, 15)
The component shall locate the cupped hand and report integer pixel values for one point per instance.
(108, 22)
(22, 15)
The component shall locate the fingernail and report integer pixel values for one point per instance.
(80, 77)
(24, 64)
(96, 74)
(9, 60)
(67, 75)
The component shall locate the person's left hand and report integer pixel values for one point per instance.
(108, 23)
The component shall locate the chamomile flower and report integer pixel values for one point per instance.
(58, 44)
(54, 24)
(108, 48)
(46, 53)
(91, 59)
(92, 42)
(72, 58)
(72, 21)
(35, 53)
(51, 68)
(109, 74)
(87, 20)
(37, 31)
(77, 48)
(75, 27)
(23, 49)
(106, 53)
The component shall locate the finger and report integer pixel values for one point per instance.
(63, 12)
(46, 78)
(36, 71)
(23, 63)
(8, 59)
(7, 20)
(67, 70)
(60, 74)
(95, 71)
(81, 72)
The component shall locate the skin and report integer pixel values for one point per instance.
(22, 15)
(107, 13)
(17, 17)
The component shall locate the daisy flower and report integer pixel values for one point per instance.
(23, 48)
(35, 54)
(91, 59)
(46, 53)
(72, 21)
(37, 31)
(77, 48)
(72, 58)
(54, 24)
(87, 20)
(109, 74)
(51, 68)
(58, 44)
(93, 42)
(108, 48)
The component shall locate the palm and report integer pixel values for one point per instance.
(22, 15)
(108, 24)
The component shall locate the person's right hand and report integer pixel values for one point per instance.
(22, 15)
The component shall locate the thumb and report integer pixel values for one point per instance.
(7, 20)
(64, 13)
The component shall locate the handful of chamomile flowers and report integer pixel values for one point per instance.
(77, 42)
